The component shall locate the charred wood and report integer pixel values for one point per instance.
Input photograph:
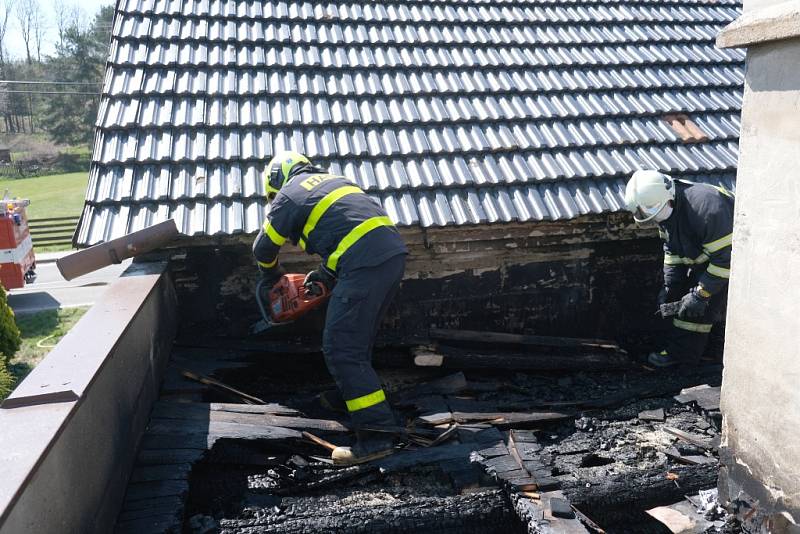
(647, 489)
(483, 512)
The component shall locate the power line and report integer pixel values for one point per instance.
(50, 93)
(40, 82)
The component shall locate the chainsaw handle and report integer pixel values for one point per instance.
(316, 289)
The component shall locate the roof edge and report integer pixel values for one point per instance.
(760, 26)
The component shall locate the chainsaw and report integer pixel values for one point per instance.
(289, 299)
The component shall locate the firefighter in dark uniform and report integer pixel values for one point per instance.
(696, 224)
(363, 260)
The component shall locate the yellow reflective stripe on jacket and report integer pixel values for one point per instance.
(692, 327)
(674, 259)
(366, 401)
(273, 234)
(719, 244)
(718, 271)
(269, 265)
(355, 234)
(322, 206)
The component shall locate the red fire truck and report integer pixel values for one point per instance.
(17, 261)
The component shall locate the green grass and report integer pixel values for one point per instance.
(40, 332)
(55, 195)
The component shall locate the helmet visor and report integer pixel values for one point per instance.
(643, 214)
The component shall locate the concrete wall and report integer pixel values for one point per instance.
(71, 429)
(761, 383)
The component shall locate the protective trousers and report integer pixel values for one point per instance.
(688, 337)
(358, 303)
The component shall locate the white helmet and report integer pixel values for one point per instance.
(647, 193)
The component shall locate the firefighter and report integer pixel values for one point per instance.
(695, 222)
(363, 260)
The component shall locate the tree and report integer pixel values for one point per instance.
(26, 12)
(69, 119)
(5, 12)
(38, 28)
(68, 17)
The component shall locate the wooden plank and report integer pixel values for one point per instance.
(222, 429)
(694, 439)
(533, 361)
(249, 399)
(160, 472)
(193, 414)
(168, 456)
(156, 489)
(176, 502)
(149, 525)
(518, 339)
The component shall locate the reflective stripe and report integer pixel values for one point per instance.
(719, 244)
(273, 234)
(366, 401)
(268, 265)
(720, 272)
(322, 206)
(355, 234)
(674, 259)
(692, 327)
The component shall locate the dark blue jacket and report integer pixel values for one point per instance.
(698, 235)
(327, 215)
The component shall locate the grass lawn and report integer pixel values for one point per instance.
(40, 332)
(56, 195)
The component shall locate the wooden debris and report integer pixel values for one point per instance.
(694, 439)
(647, 488)
(498, 419)
(652, 415)
(454, 358)
(692, 459)
(249, 399)
(503, 338)
(587, 522)
(444, 436)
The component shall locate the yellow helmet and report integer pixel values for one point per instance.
(279, 168)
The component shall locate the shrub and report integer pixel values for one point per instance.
(9, 342)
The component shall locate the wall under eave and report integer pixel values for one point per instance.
(593, 277)
(760, 393)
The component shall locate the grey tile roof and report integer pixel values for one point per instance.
(449, 112)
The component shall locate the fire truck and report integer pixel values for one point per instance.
(17, 260)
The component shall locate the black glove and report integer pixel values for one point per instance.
(319, 276)
(271, 276)
(667, 294)
(693, 305)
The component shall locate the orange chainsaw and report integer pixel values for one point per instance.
(289, 299)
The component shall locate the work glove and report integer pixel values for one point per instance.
(323, 276)
(693, 305)
(667, 294)
(271, 276)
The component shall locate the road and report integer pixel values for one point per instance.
(50, 290)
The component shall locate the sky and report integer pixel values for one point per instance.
(14, 43)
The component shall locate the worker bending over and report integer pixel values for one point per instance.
(363, 260)
(696, 223)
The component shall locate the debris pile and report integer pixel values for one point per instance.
(484, 450)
